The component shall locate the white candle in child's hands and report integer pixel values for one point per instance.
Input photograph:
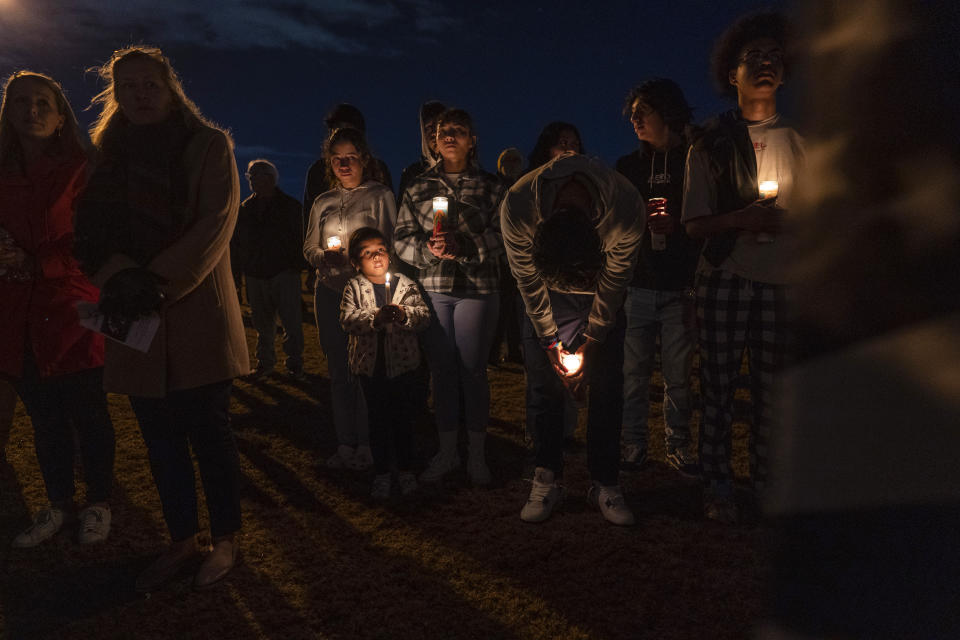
(386, 285)
(571, 362)
(333, 243)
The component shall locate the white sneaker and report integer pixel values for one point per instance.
(94, 525)
(545, 494)
(408, 483)
(45, 524)
(610, 502)
(362, 458)
(381, 487)
(342, 459)
(440, 465)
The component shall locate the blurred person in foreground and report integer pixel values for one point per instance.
(660, 298)
(740, 180)
(269, 252)
(866, 491)
(55, 364)
(153, 229)
(571, 233)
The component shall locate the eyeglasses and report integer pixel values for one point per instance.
(756, 57)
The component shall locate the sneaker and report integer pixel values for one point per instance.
(634, 455)
(545, 494)
(408, 483)
(722, 510)
(94, 525)
(45, 524)
(610, 502)
(362, 458)
(681, 459)
(440, 466)
(342, 459)
(381, 487)
(217, 565)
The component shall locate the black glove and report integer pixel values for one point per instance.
(131, 293)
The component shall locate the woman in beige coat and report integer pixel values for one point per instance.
(153, 230)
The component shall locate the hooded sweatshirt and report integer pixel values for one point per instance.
(426, 161)
(616, 203)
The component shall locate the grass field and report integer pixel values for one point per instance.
(320, 560)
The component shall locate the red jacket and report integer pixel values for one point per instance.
(37, 210)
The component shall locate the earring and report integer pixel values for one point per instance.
(59, 130)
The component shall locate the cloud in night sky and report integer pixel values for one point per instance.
(345, 26)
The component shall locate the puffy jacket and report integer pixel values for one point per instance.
(37, 210)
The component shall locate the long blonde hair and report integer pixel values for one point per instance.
(110, 113)
(69, 138)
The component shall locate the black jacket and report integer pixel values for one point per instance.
(268, 238)
(733, 164)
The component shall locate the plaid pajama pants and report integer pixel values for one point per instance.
(734, 314)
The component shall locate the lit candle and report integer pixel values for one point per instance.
(571, 362)
(440, 208)
(386, 285)
(768, 189)
(333, 243)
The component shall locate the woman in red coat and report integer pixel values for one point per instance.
(55, 364)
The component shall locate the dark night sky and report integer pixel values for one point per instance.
(269, 71)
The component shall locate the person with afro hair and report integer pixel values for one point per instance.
(740, 177)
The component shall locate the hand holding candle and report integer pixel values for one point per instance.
(571, 362)
(768, 189)
(660, 223)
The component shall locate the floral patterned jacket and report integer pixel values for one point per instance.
(357, 310)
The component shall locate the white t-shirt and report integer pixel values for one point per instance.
(779, 154)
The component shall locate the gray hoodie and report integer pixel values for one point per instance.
(617, 223)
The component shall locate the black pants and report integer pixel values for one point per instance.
(197, 418)
(56, 407)
(393, 405)
(546, 394)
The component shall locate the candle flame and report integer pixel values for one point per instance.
(768, 188)
(571, 362)
(333, 242)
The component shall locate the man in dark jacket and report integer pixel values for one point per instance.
(269, 252)
(660, 297)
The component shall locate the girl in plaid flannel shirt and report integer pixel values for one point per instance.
(460, 274)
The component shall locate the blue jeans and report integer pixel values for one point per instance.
(546, 394)
(671, 314)
(271, 297)
(349, 407)
(197, 419)
(457, 344)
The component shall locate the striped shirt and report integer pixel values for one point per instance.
(474, 215)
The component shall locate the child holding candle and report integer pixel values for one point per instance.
(382, 313)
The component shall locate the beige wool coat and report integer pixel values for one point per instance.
(201, 337)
